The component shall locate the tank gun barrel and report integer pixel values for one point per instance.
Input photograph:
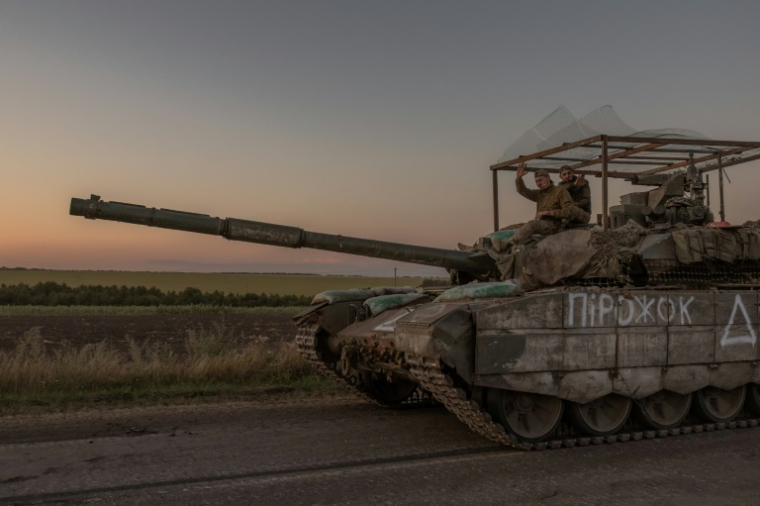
(477, 265)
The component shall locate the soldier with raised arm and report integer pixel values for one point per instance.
(553, 204)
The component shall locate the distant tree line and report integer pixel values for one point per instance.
(55, 294)
(435, 282)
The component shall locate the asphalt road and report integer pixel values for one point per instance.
(341, 451)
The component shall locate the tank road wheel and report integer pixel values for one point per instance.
(753, 398)
(388, 393)
(664, 409)
(530, 417)
(713, 404)
(602, 417)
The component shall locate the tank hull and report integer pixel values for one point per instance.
(573, 348)
(580, 345)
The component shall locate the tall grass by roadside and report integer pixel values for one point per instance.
(216, 363)
(144, 310)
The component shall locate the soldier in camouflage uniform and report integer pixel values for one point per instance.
(579, 191)
(553, 204)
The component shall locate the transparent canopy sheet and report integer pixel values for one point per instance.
(561, 127)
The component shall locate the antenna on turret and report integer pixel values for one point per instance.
(694, 182)
(720, 187)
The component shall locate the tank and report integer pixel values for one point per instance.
(587, 336)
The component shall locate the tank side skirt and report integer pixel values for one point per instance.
(691, 339)
(435, 380)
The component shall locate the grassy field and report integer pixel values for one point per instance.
(206, 282)
(217, 365)
(42, 375)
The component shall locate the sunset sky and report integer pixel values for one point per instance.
(367, 119)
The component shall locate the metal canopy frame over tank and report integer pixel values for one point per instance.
(631, 157)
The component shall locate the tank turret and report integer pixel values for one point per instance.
(678, 198)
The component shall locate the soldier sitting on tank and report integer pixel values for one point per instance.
(579, 191)
(553, 204)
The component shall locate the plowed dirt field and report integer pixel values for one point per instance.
(170, 329)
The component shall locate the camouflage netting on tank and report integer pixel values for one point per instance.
(711, 255)
(699, 255)
(581, 256)
(590, 255)
(695, 245)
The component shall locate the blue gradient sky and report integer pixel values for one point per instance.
(368, 119)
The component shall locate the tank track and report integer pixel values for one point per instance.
(306, 344)
(435, 380)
